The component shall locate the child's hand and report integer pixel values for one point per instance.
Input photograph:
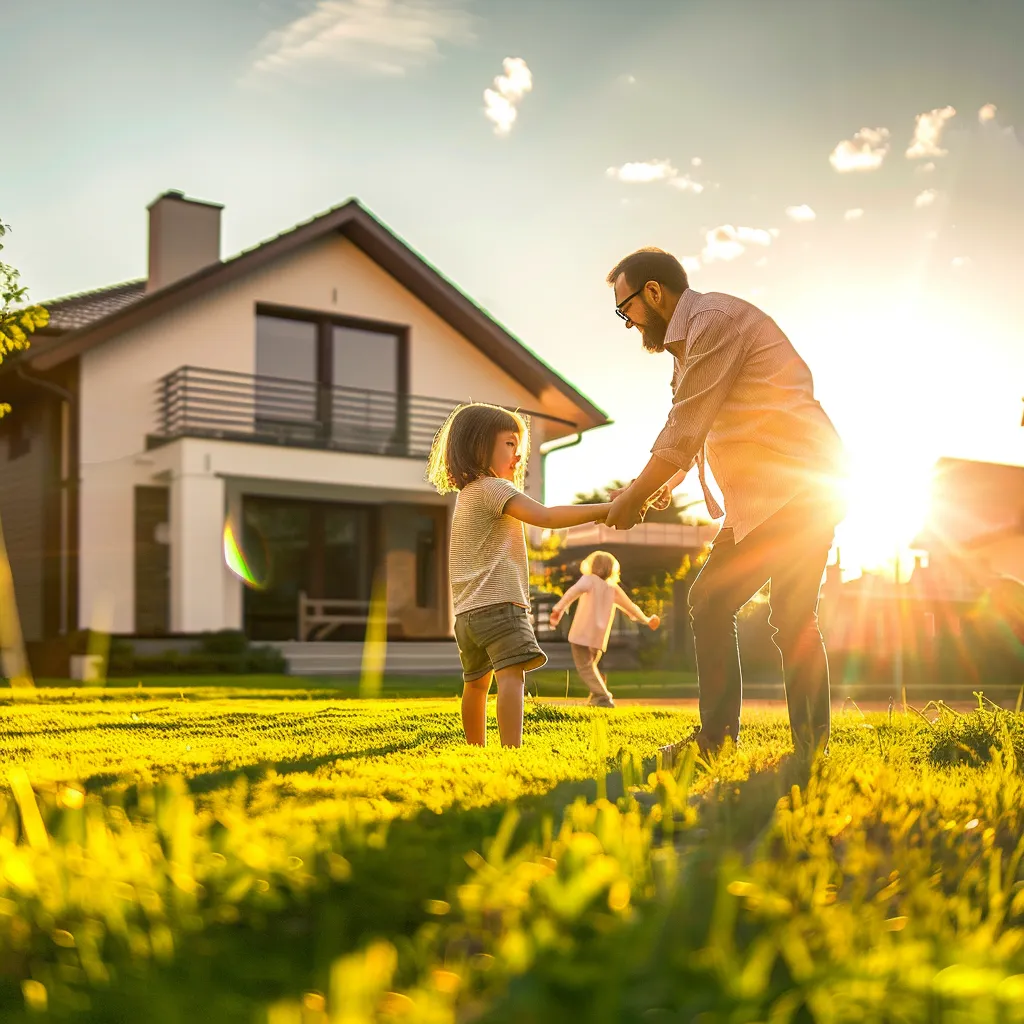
(654, 621)
(555, 617)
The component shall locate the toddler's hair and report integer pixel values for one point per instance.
(603, 564)
(462, 448)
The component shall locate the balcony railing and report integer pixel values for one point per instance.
(197, 402)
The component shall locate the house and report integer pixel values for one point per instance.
(951, 617)
(268, 414)
(975, 526)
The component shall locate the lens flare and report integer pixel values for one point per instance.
(375, 646)
(236, 561)
(888, 506)
(98, 649)
(13, 660)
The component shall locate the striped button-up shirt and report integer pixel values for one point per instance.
(741, 393)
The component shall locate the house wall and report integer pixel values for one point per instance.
(118, 408)
(1003, 556)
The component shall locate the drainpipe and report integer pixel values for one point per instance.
(548, 448)
(571, 442)
(67, 403)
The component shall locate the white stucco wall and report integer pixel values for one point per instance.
(118, 409)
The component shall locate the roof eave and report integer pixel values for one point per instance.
(382, 245)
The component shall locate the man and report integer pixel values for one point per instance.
(743, 400)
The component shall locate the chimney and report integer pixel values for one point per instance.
(184, 236)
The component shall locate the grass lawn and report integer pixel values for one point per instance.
(227, 855)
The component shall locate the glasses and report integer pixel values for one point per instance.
(625, 302)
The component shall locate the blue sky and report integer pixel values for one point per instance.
(911, 316)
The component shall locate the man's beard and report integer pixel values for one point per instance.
(654, 329)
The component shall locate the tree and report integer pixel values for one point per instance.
(17, 321)
(547, 573)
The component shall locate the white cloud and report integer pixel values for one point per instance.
(696, 162)
(854, 214)
(987, 113)
(801, 214)
(686, 184)
(691, 264)
(627, 79)
(386, 37)
(762, 262)
(864, 152)
(501, 103)
(959, 261)
(926, 198)
(926, 168)
(727, 242)
(642, 172)
(928, 133)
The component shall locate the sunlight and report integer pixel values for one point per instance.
(13, 660)
(888, 504)
(375, 645)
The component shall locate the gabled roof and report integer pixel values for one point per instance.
(72, 312)
(89, 319)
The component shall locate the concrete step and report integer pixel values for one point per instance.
(325, 658)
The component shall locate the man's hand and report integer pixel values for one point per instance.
(625, 513)
(661, 499)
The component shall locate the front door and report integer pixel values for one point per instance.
(292, 546)
(152, 561)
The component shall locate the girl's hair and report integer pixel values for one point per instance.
(602, 564)
(462, 448)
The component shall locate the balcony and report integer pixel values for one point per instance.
(197, 402)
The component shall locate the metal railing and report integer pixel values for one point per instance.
(198, 402)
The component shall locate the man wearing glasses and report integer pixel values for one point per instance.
(742, 400)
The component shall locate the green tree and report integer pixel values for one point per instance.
(17, 320)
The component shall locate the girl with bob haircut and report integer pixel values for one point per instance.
(599, 594)
(481, 452)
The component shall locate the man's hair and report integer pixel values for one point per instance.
(650, 264)
(462, 448)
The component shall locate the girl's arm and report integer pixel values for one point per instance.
(567, 599)
(533, 513)
(622, 599)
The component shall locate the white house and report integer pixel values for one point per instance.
(288, 395)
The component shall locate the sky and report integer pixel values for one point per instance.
(853, 167)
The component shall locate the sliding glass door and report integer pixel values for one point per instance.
(321, 549)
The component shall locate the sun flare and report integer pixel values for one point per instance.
(888, 503)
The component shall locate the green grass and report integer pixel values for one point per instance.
(225, 855)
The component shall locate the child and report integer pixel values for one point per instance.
(481, 452)
(599, 594)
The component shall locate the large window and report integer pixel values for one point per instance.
(287, 372)
(332, 378)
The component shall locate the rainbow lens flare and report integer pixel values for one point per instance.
(236, 560)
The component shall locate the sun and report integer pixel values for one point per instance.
(888, 502)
